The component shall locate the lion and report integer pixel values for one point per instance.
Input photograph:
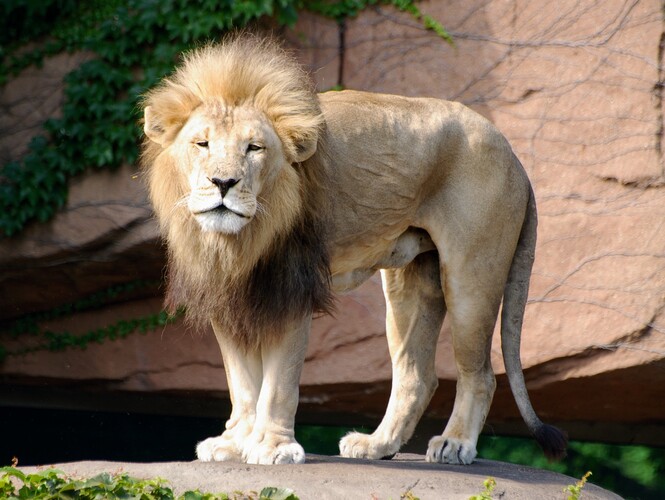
(271, 197)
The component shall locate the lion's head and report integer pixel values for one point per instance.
(230, 140)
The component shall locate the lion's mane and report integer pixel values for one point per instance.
(276, 270)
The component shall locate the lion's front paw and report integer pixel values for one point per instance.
(450, 451)
(218, 449)
(358, 445)
(273, 450)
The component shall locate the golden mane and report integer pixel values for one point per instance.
(276, 270)
(242, 70)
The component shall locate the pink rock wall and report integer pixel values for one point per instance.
(577, 89)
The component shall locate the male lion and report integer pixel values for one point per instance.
(270, 197)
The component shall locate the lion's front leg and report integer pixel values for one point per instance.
(244, 374)
(272, 440)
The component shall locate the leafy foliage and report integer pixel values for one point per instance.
(52, 483)
(574, 491)
(135, 43)
(489, 484)
(60, 25)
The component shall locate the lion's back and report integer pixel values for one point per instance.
(413, 142)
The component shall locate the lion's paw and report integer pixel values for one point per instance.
(217, 449)
(358, 445)
(450, 451)
(272, 451)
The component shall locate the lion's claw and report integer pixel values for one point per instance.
(450, 451)
(271, 451)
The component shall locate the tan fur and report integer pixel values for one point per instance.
(269, 196)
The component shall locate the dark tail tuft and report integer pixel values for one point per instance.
(553, 441)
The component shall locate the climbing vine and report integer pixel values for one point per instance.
(134, 43)
(59, 341)
(35, 338)
(29, 323)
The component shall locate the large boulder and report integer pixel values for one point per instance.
(578, 92)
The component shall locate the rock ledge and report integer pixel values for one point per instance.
(324, 477)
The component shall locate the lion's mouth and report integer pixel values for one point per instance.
(220, 218)
(221, 209)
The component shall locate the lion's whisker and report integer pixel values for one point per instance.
(261, 209)
(182, 202)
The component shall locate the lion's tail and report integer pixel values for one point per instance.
(552, 440)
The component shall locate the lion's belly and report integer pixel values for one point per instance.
(353, 265)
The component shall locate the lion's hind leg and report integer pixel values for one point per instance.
(415, 311)
(473, 285)
(475, 389)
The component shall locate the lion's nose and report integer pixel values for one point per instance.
(224, 184)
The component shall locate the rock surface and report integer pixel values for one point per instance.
(577, 89)
(324, 478)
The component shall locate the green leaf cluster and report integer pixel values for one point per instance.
(574, 491)
(133, 44)
(53, 484)
(489, 484)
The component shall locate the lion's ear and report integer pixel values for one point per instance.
(152, 126)
(306, 148)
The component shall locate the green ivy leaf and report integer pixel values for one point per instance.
(272, 493)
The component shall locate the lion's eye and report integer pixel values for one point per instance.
(202, 144)
(254, 147)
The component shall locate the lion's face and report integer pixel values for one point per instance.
(228, 155)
